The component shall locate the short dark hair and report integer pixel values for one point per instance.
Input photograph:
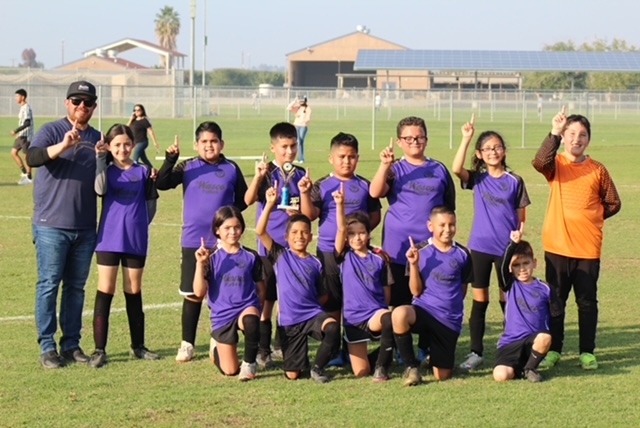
(225, 213)
(580, 119)
(523, 249)
(209, 126)
(297, 218)
(344, 139)
(283, 130)
(411, 121)
(441, 209)
(22, 92)
(118, 129)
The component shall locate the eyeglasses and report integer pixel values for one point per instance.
(496, 149)
(136, 109)
(87, 102)
(413, 140)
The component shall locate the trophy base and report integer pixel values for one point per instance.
(288, 207)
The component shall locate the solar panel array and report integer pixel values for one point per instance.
(379, 59)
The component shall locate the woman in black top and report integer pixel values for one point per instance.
(141, 126)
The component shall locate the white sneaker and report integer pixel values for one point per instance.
(472, 362)
(24, 179)
(247, 372)
(185, 353)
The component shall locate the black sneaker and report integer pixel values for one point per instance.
(98, 359)
(51, 360)
(142, 353)
(75, 356)
(319, 375)
(532, 375)
(380, 374)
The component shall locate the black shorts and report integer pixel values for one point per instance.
(187, 271)
(21, 143)
(108, 258)
(332, 280)
(442, 339)
(516, 354)
(482, 264)
(360, 333)
(270, 279)
(227, 334)
(295, 344)
(400, 292)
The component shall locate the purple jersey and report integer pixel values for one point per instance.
(363, 279)
(413, 191)
(444, 274)
(278, 218)
(124, 221)
(206, 187)
(495, 202)
(299, 285)
(232, 284)
(356, 198)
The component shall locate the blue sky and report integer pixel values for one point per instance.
(264, 31)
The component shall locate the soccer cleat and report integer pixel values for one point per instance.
(247, 372)
(532, 375)
(411, 377)
(277, 354)
(24, 179)
(51, 360)
(472, 362)
(98, 359)
(588, 361)
(264, 361)
(319, 375)
(424, 356)
(142, 353)
(550, 360)
(380, 374)
(337, 361)
(185, 353)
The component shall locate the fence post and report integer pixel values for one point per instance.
(451, 119)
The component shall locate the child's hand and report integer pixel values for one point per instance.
(262, 166)
(516, 235)
(558, 122)
(154, 174)
(202, 253)
(386, 155)
(412, 253)
(338, 195)
(468, 128)
(174, 149)
(271, 195)
(304, 185)
(101, 146)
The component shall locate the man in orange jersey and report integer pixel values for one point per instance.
(582, 196)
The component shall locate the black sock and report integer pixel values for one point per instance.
(266, 328)
(404, 343)
(277, 340)
(190, 316)
(330, 344)
(29, 175)
(386, 342)
(477, 322)
(101, 310)
(135, 315)
(23, 169)
(534, 360)
(373, 358)
(503, 304)
(252, 326)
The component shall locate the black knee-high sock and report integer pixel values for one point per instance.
(330, 344)
(251, 325)
(277, 340)
(386, 342)
(190, 316)
(372, 357)
(477, 322)
(534, 360)
(101, 311)
(503, 305)
(136, 318)
(266, 328)
(404, 343)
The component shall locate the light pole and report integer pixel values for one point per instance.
(204, 48)
(193, 41)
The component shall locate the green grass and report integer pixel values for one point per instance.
(163, 393)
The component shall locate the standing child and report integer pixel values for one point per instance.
(128, 205)
(231, 277)
(209, 181)
(499, 201)
(300, 295)
(24, 135)
(439, 271)
(366, 280)
(526, 339)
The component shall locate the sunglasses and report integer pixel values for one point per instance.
(87, 102)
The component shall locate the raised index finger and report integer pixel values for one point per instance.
(75, 124)
(564, 110)
(176, 140)
(411, 244)
(306, 174)
(391, 143)
(473, 118)
(202, 244)
(342, 187)
(264, 157)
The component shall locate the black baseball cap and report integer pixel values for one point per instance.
(82, 88)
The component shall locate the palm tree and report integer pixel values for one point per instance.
(167, 29)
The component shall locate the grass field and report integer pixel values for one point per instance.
(137, 393)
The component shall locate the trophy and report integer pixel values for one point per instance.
(286, 172)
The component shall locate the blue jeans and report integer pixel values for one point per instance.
(62, 255)
(139, 154)
(302, 133)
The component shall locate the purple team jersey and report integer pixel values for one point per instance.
(495, 202)
(444, 275)
(232, 284)
(299, 285)
(363, 279)
(124, 221)
(356, 198)
(278, 218)
(413, 191)
(527, 311)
